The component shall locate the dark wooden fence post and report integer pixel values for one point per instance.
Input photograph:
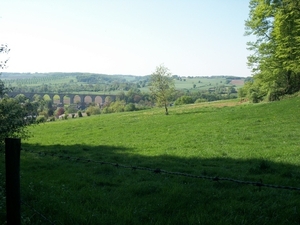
(12, 165)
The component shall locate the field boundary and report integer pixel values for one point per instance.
(161, 171)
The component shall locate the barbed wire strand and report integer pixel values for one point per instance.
(160, 171)
(38, 213)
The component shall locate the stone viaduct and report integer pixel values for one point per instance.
(73, 98)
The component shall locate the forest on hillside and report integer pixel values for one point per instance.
(114, 84)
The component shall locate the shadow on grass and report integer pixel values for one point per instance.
(141, 197)
(219, 166)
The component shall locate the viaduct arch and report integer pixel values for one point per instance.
(82, 97)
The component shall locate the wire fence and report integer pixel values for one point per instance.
(161, 171)
(47, 220)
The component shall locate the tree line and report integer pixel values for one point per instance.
(275, 58)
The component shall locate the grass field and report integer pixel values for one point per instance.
(202, 83)
(248, 142)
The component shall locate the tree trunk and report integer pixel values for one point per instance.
(166, 107)
(288, 79)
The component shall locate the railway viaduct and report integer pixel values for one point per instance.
(74, 98)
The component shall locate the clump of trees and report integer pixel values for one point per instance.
(275, 58)
(15, 114)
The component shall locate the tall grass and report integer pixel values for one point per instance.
(225, 139)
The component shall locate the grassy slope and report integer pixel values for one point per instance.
(246, 142)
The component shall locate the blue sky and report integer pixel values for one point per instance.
(190, 37)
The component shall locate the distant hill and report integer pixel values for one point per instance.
(103, 83)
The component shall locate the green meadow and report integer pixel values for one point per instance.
(227, 139)
(201, 83)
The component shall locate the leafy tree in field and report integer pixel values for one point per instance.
(162, 86)
(275, 60)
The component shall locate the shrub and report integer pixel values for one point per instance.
(14, 118)
(79, 114)
(184, 100)
(50, 112)
(242, 93)
(44, 114)
(106, 110)
(117, 106)
(71, 109)
(130, 107)
(52, 118)
(40, 119)
(254, 97)
(199, 100)
(274, 94)
(93, 110)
